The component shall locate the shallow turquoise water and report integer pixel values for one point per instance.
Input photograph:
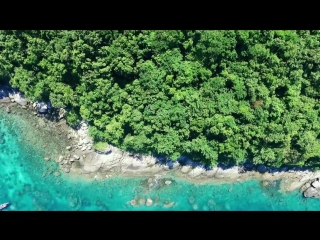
(23, 185)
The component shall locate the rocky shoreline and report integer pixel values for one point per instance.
(78, 158)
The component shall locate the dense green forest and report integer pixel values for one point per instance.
(217, 96)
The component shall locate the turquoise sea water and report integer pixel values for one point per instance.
(29, 182)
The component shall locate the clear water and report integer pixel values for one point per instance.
(29, 182)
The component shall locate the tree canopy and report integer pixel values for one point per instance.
(217, 96)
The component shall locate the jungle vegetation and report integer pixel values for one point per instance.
(216, 96)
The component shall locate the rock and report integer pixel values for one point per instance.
(167, 182)
(265, 183)
(149, 160)
(66, 170)
(165, 167)
(71, 159)
(196, 172)
(305, 187)
(168, 204)
(90, 169)
(68, 147)
(19, 98)
(133, 202)
(83, 148)
(47, 158)
(5, 100)
(315, 175)
(185, 169)
(142, 201)
(191, 199)
(149, 202)
(150, 180)
(210, 173)
(76, 157)
(306, 177)
(76, 165)
(316, 184)
(311, 192)
(61, 113)
(176, 164)
(59, 159)
(293, 185)
(57, 174)
(211, 203)
(43, 107)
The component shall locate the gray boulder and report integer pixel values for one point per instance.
(311, 192)
(316, 184)
(20, 99)
(42, 108)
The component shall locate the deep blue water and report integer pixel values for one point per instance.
(24, 184)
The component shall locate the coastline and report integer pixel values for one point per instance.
(76, 157)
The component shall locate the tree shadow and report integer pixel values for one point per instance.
(247, 166)
(6, 89)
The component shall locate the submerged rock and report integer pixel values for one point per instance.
(133, 202)
(211, 203)
(191, 199)
(142, 201)
(149, 202)
(168, 182)
(168, 204)
(59, 159)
